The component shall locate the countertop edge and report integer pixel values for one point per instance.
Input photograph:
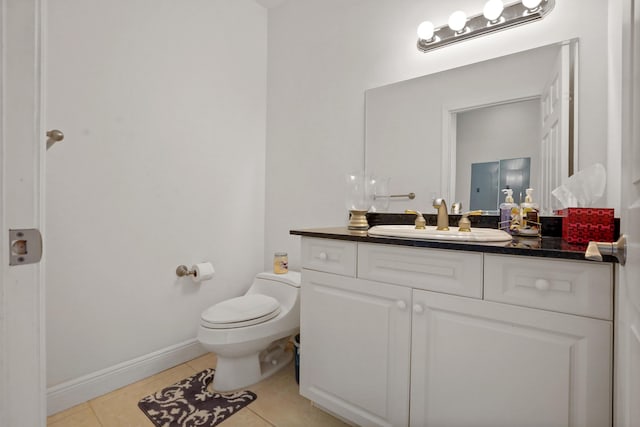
(545, 247)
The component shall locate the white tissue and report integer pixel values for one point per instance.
(582, 189)
(202, 271)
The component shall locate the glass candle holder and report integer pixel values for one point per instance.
(378, 187)
(358, 200)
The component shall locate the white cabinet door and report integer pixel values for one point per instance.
(479, 363)
(355, 344)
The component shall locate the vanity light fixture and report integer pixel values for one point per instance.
(495, 16)
(531, 5)
(426, 30)
(493, 11)
(458, 21)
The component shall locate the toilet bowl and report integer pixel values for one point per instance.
(248, 334)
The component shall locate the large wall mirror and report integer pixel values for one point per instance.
(466, 133)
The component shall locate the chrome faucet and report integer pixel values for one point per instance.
(443, 215)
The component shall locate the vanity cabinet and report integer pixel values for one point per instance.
(355, 348)
(479, 363)
(432, 337)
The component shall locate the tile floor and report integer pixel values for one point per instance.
(278, 404)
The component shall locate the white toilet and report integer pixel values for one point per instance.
(248, 334)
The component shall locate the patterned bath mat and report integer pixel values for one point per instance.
(190, 403)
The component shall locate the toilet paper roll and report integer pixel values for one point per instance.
(202, 271)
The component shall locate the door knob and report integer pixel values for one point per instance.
(53, 136)
(417, 308)
(618, 249)
(401, 304)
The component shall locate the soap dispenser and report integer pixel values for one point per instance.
(529, 218)
(509, 212)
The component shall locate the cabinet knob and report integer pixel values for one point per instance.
(417, 308)
(401, 304)
(323, 256)
(542, 284)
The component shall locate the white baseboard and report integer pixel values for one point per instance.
(79, 390)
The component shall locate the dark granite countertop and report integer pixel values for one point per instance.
(549, 247)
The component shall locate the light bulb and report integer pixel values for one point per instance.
(493, 9)
(531, 4)
(457, 21)
(425, 31)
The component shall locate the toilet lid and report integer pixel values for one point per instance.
(241, 311)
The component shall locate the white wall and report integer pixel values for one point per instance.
(163, 105)
(323, 55)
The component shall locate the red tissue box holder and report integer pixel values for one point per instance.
(582, 225)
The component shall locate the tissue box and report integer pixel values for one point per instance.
(582, 225)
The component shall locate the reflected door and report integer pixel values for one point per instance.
(555, 150)
(515, 174)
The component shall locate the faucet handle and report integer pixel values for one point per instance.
(465, 224)
(421, 223)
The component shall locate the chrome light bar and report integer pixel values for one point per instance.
(512, 15)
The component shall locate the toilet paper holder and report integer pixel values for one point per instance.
(199, 272)
(183, 270)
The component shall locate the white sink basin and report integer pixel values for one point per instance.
(431, 233)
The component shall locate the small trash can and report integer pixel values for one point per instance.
(296, 343)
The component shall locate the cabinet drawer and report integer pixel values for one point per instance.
(330, 256)
(452, 272)
(574, 287)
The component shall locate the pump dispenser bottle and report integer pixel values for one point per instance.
(509, 213)
(530, 222)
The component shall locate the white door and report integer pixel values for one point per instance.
(480, 363)
(22, 381)
(627, 364)
(354, 357)
(556, 128)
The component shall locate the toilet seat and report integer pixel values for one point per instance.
(242, 311)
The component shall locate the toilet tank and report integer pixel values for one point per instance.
(283, 287)
(292, 278)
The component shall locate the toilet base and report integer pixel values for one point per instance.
(233, 373)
